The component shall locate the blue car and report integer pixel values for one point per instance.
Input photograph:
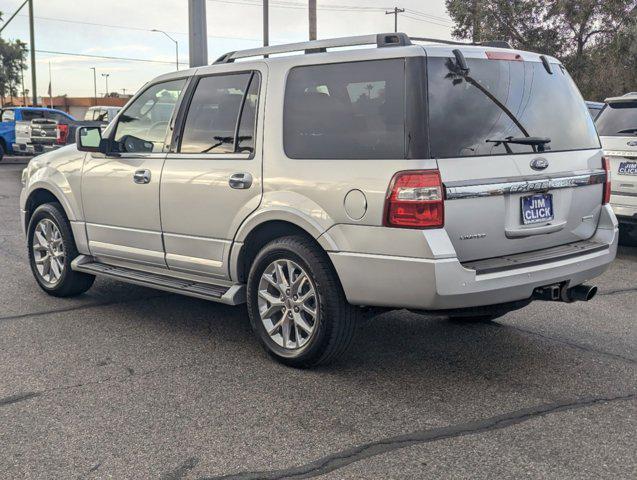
(9, 116)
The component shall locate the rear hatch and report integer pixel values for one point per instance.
(517, 152)
(617, 127)
(43, 131)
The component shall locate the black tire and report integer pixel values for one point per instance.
(2, 151)
(335, 319)
(628, 235)
(70, 283)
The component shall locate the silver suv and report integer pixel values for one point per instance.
(464, 180)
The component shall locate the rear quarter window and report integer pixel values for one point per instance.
(345, 111)
(618, 119)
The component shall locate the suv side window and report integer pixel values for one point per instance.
(346, 110)
(219, 102)
(143, 126)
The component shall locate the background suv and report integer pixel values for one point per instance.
(617, 126)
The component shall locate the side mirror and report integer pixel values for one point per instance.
(88, 139)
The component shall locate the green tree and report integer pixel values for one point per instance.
(591, 37)
(12, 61)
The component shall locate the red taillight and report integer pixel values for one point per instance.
(415, 200)
(61, 133)
(607, 189)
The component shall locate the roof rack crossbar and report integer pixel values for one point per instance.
(380, 40)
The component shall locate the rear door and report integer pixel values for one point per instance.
(212, 180)
(504, 197)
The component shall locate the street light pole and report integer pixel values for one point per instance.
(106, 75)
(176, 46)
(94, 86)
(34, 86)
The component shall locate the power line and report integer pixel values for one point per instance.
(108, 57)
(126, 27)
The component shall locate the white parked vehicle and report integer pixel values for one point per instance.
(617, 127)
(459, 179)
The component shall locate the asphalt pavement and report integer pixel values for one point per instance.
(125, 382)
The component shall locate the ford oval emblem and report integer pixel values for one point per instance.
(539, 163)
(632, 143)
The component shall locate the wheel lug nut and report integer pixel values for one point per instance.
(295, 297)
(289, 314)
(287, 292)
(296, 309)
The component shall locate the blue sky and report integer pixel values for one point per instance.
(121, 28)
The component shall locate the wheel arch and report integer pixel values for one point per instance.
(255, 234)
(39, 196)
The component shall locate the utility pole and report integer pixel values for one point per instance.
(32, 47)
(312, 18)
(94, 86)
(197, 33)
(106, 75)
(24, 97)
(266, 23)
(395, 13)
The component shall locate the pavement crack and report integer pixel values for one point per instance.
(578, 346)
(80, 307)
(20, 397)
(182, 470)
(616, 291)
(357, 453)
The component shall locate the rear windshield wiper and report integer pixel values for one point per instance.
(538, 142)
(628, 130)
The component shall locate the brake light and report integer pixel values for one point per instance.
(515, 57)
(607, 185)
(61, 133)
(415, 200)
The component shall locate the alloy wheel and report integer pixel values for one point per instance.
(48, 251)
(288, 304)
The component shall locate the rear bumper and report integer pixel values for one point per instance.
(440, 284)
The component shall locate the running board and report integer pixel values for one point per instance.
(230, 295)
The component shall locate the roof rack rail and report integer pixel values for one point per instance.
(489, 43)
(381, 40)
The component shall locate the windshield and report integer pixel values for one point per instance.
(618, 119)
(508, 101)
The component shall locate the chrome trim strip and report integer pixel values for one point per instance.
(506, 186)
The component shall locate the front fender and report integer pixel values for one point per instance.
(59, 172)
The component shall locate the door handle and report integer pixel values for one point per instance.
(141, 176)
(528, 232)
(240, 181)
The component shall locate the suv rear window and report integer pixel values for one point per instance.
(618, 119)
(346, 110)
(465, 121)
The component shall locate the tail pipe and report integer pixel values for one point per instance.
(560, 292)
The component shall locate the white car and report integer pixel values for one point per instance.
(617, 127)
